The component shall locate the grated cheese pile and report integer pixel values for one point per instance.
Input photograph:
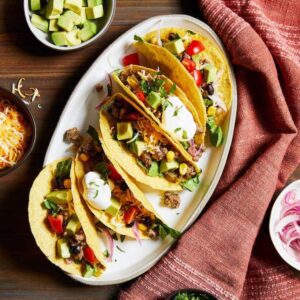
(14, 134)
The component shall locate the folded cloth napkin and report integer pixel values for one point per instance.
(217, 253)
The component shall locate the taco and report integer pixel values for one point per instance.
(196, 65)
(112, 196)
(60, 223)
(167, 105)
(143, 149)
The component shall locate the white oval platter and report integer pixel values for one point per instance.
(80, 112)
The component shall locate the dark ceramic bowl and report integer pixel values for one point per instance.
(203, 294)
(14, 100)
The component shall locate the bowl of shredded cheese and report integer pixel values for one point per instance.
(17, 132)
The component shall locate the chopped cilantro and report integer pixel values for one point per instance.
(101, 167)
(106, 253)
(177, 110)
(122, 238)
(52, 207)
(177, 129)
(62, 171)
(191, 32)
(96, 194)
(172, 89)
(94, 134)
(138, 38)
(184, 134)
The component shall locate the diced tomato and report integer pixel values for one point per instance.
(189, 64)
(129, 215)
(194, 48)
(198, 77)
(132, 117)
(131, 59)
(89, 255)
(113, 173)
(56, 223)
(140, 94)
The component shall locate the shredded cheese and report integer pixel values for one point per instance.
(14, 134)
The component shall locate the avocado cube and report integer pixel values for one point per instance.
(92, 3)
(168, 165)
(54, 9)
(39, 22)
(74, 5)
(88, 31)
(62, 248)
(176, 47)
(59, 38)
(114, 208)
(82, 16)
(65, 23)
(35, 5)
(210, 73)
(73, 225)
(72, 39)
(154, 169)
(60, 196)
(94, 12)
(154, 100)
(88, 271)
(73, 16)
(53, 25)
(124, 131)
(138, 147)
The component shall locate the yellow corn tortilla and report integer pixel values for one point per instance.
(101, 215)
(157, 56)
(127, 160)
(44, 237)
(199, 118)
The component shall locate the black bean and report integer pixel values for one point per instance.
(75, 249)
(210, 89)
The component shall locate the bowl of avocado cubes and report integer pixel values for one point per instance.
(68, 24)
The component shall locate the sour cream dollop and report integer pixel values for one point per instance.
(96, 191)
(179, 120)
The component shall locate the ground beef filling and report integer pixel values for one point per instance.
(172, 199)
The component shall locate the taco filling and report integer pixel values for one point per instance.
(152, 89)
(111, 199)
(71, 242)
(191, 52)
(153, 151)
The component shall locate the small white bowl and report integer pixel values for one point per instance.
(274, 218)
(102, 25)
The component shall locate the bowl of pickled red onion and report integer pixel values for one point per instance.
(284, 224)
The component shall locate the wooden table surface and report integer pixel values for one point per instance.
(24, 271)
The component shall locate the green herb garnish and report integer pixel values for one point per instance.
(191, 32)
(122, 238)
(138, 38)
(164, 230)
(106, 253)
(101, 168)
(177, 111)
(62, 171)
(172, 89)
(94, 134)
(184, 134)
(50, 206)
(216, 133)
(177, 129)
(208, 102)
(192, 183)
